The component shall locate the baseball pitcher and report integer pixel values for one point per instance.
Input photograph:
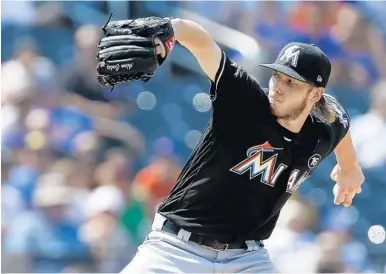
(258, 147)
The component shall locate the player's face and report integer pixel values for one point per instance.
(288, 97)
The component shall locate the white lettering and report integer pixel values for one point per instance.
(277, 173)
(293, 184)
(113, 67)
(127, 66)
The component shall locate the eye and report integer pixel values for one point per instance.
(291, 82)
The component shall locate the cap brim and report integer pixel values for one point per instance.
(285, 70)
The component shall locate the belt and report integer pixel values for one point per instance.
(172, 228)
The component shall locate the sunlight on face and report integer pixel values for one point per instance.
(287, 96)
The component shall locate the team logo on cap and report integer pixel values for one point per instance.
(319, 79)
(291, 54)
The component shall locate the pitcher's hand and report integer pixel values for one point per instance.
(348, 183)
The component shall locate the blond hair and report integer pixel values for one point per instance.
(325, 109)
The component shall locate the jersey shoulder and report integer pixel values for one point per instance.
(233, 80)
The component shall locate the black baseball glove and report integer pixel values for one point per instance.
(128, 50)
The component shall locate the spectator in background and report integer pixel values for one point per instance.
(18, 89)
(12, 203)
(154, 182)
(111, 245)
(298, 252)
(330, 260)
(115, 170)
(302, 12)
(22, 13)
(354, 34)
(80, 77)
(23, 175)
(337, 244)
(79, 176)
(150, 186)
(39, 67)
(265, 21)
(218, 11)
(45, 232)
(369, 130)
(88, 100)
(25, 77)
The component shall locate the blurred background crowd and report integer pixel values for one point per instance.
(83, 168)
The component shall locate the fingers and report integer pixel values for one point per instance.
(160, 48)
(339, 197)
(348, 199)
(344, 196)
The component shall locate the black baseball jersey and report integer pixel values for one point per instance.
(246, 165)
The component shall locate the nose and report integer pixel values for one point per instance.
(279, 86)
(277, 90)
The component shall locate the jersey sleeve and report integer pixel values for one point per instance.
(342, 123)
(233, 88)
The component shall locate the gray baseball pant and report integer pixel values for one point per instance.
(162, 252)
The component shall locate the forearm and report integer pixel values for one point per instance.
(200, 43)
(345, 152)
(191, 35)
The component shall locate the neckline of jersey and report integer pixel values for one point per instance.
(293, 135)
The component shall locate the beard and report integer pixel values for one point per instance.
(291, 113)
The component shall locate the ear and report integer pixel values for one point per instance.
(317, 94)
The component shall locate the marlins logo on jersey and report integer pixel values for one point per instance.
(256, 165)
